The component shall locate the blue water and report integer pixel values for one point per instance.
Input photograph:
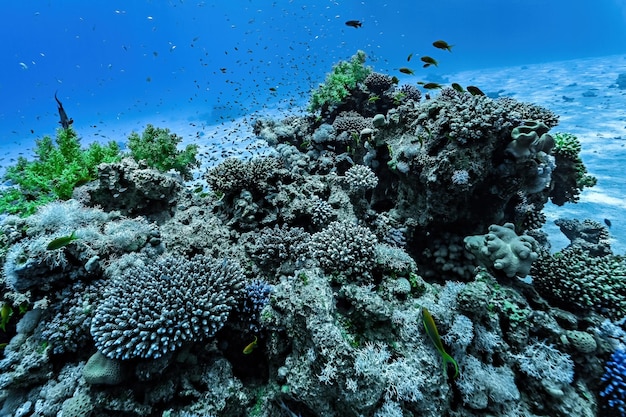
(119, 63)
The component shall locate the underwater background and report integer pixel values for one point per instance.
(199, 67)
(350, 195)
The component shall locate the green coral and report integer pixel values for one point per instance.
(579, 282)
(157, 147)
(570, 175)
(345, 76)
(55, 172)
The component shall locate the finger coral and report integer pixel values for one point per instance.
(152, 310)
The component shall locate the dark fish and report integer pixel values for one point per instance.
(429, 61)
(475, 91)
(272, 88)
(458, 87)
(65, 121)
(408, 58)
(443, 45)
(432, 86)
(354, 23)
(607, 222)
(406, 70)
(395, 80)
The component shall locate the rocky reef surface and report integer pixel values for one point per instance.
(296, 284)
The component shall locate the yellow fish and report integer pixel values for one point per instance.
(433, 333)
(248, 349)
(5, 315)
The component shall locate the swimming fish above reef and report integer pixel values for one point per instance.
(429, 61)
(59, 242)
(475, 91)
(65, 121)
(406, 70)
(431, 86)
(443, 45)
(354, 23)
(457, 87)
(433, 333)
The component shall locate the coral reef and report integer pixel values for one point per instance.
(295, 284)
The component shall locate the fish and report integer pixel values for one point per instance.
(62, 241)
(5, 315)
(458, 87)
(607, 222)
(433, 333)
(429, 61)
(65, 121)
(408, 58)
(273, 89)
(443, 45)
(250, 347)
(354, 23)
(475, 91)
(432, 86)
(406, 70)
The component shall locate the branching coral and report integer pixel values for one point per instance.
(346, 75)
(55, 172)
(158, 148)
(152, 310)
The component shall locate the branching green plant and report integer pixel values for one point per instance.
(345, 76)
(158, 148)
(54, 173)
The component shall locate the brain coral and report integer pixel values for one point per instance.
(152, 310)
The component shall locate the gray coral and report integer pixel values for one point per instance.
(344, 248)
(351, 122)
(233, 174)
(152, 310)
(503, 250)
(378, 83)
(361, 177)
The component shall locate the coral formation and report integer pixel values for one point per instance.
(173, 301)
(503, 250)
(294, 283)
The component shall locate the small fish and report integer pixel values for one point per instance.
(24, 66)
(607, 222)
(373, 99)
(406, 70)
(458, 87)
(395, 80)
(248, 349)
(475, 91)
(429, 61)
(62, 241)
(408, 58)
(65, 121)
(5, 314)
(273, 89)
(433, 333)
(443, 45)
(432, 86)
(354, 23)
